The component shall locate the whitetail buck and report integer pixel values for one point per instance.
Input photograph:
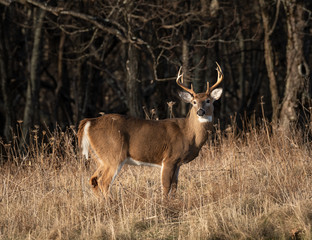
(114, 140)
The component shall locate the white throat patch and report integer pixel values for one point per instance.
(205, 119)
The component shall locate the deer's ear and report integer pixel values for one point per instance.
(216, 94)
(185, 96)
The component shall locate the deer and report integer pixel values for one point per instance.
(114, 140)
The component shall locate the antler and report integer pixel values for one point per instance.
(220, 78)
(191, 91)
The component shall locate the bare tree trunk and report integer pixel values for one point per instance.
(242, 62)
(5, 85)
(185, 69)
(269, 57)
(31, 112)
(59, 80)
(185, 60)
(134, 98)
(296, 25)
(87, 79)
(241, 70)
(199, 55)
(199, 62)
(204, 58)
(185, 56)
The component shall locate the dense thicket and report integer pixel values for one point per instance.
(61, 61)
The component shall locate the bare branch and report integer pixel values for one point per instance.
(5, 2)
(119, 31)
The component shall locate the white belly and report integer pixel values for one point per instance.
(131, 161)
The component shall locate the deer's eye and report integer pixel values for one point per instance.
(207, 100)
(194, 102)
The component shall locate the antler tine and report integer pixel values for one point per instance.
(220, 77)
(207, 90)
(191, 91)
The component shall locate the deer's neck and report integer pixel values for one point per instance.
(196, 129)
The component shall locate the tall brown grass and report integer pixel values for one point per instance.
(254, 185)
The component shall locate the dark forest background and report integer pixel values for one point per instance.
(62, 61)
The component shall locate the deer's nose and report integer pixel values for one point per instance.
(201, 112)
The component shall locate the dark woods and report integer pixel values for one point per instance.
(61, 61)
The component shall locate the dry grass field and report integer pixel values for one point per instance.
(253, 185)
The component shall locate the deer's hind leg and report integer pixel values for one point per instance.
(110, 163)
(102, 178)
(94, 181)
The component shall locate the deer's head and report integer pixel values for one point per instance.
(202, 102)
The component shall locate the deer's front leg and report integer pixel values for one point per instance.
(169, 178)
(174, 182)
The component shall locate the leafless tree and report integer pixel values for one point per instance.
(77, 59)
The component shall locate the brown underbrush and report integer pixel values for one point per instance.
(252, 185)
